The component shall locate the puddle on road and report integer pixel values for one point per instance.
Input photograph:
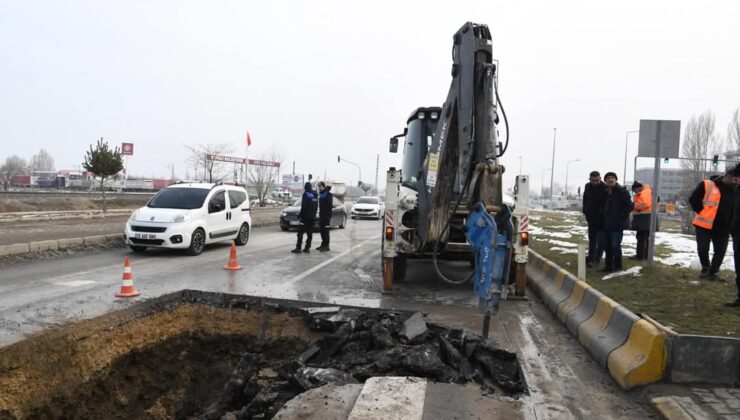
(206, 355)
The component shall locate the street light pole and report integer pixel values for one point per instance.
(626, 137)
(552, 166)
(341, 159)
(567, 167)
(542, 183)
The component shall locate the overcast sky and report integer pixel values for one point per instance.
(315, 79)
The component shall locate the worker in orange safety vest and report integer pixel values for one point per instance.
(712, 202)
(641, 216)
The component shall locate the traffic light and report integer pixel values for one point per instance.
(715, 161)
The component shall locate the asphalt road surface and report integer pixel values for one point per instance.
(563, 379)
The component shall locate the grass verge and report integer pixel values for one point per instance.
(672, 295)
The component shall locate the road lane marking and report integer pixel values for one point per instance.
(75, 283)
(315, 268)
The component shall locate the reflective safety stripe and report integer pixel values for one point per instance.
(712, 196)
(127, 283)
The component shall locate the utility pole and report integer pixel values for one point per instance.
(552, 174)
(626, 137)
(377, 168)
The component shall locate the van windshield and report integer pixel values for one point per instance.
(179, 198)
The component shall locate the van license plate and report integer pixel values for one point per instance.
(294, 222)
(144, 236)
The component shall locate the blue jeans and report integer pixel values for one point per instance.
(613, 249)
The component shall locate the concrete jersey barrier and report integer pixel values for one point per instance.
(632, 349)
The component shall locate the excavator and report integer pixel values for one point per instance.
(446, 201)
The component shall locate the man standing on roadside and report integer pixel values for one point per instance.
(735, 230)
(712, 200)
(325, 209)
(309, 205)
(594, 194)
(617, 208)
(641, 218)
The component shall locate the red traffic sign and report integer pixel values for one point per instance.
(127, 149)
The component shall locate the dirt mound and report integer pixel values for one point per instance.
(212, 356)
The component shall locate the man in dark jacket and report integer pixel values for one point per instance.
(594, 194)
(713, 221)
(309, 205)
(735, 231)
(617, 208)
(325, 209)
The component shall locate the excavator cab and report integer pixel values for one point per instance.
(420, 128)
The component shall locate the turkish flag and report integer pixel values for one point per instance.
(249, 139)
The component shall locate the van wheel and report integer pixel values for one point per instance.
(284, 228)
(197, 242)
(243, 237)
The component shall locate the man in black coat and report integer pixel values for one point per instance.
(617, 208)
(718, 234)
(594, 194)
(307, 216)
(325, 209)
(735, 231)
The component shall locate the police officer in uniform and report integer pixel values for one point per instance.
(309, 205)
(325, 209)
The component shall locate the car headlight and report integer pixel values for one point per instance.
(181, 218)
(284, 214)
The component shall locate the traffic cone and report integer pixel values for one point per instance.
(232, 265)
(127, 283)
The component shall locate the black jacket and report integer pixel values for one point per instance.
(326, 203)
(617, 208)
(593, 205)
(309, 204)
(735, 228)
(724, 217)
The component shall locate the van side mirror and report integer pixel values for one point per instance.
(394, 145)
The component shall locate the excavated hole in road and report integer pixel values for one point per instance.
(202, 355)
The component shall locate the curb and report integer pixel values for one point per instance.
(61, 244)
(633, 350)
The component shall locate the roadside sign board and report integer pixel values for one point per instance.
(669, 138)
(127, 149)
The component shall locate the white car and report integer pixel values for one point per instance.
(368, 207)
(280, 193)
(189, 216)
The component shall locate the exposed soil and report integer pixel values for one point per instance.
(210, 356)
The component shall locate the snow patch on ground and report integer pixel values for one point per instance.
(632, 272)
(564, 250)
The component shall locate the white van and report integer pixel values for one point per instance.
(189, 216)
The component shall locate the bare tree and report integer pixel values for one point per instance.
(699, 142)
(733, 131)
(42, 161)
(196, 159)
(13, 166)
(264, 178)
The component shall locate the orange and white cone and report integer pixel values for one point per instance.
(232, 265)
(127, 283)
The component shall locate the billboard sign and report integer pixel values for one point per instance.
(127, 149)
